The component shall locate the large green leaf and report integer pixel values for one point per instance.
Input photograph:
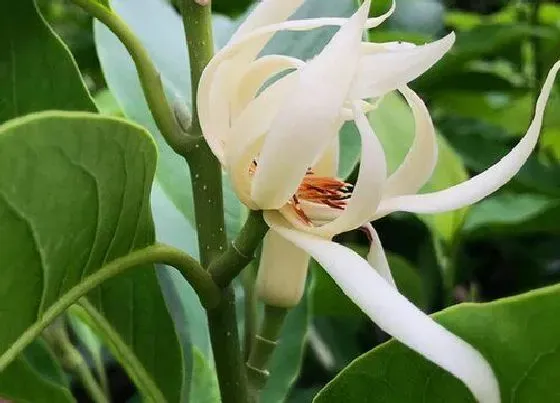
(37, 71)
(394, 125)
(518, 335)
(80, 201)
(35, 376)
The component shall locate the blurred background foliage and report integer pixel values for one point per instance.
(481, 96)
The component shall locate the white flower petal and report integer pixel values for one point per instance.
(267, 12)
(396, 315)
(376, 21)
(381, 72)
(376, 256)
(483, 184)
(369, 186)
(282, 272)
(245, 138)
(256, 75)
(419, 163)
(308, 122)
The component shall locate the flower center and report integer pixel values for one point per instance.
(322, 190)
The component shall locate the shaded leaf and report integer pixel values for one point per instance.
(517, 335)
(37, 72)
(90, 177)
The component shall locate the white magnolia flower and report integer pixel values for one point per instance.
(273, 122)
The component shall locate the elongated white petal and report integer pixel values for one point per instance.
(376, 255)
(267, 12)
(419, 163)
(307, 123)
(282, 272)
(256, 75)
(396, 315)
(483, 184)
(369, 186)
(245, 138)
(381, 72)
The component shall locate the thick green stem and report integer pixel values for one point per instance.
(206, 177)
(263, 347)
(241, 251)
(149, 76)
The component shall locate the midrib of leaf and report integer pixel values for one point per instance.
(122, 352)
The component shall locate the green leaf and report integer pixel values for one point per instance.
(35, 376)
(394, 125)
(513, 213)
(518, 336)
(37, 72)
(484, 41)
(204, 387)
(80, 201)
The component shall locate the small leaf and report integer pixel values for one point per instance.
(80, 201)
(37, 72)
(518, 336)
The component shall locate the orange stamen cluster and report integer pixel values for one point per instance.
(325, 190)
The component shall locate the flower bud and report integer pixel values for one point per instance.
(281, 286)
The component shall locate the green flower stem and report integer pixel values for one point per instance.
(250, 302)
(191, 270)
(206, 174)
(241, 251)
(149, 76)
(263, 347)
(73, 361)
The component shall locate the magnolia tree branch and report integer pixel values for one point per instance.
(241, 251)
(206, 174)
(148, 74)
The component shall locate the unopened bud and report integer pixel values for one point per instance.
(282, 272)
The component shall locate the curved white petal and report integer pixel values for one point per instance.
(244, 140)
(483, 184)
(266, 13)
(256, 75)
(419, 163)
(381, 72)
(307, 123)
(369, 186)
(376, 255)
(282, 272)
(396, 315)
(376, 21)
